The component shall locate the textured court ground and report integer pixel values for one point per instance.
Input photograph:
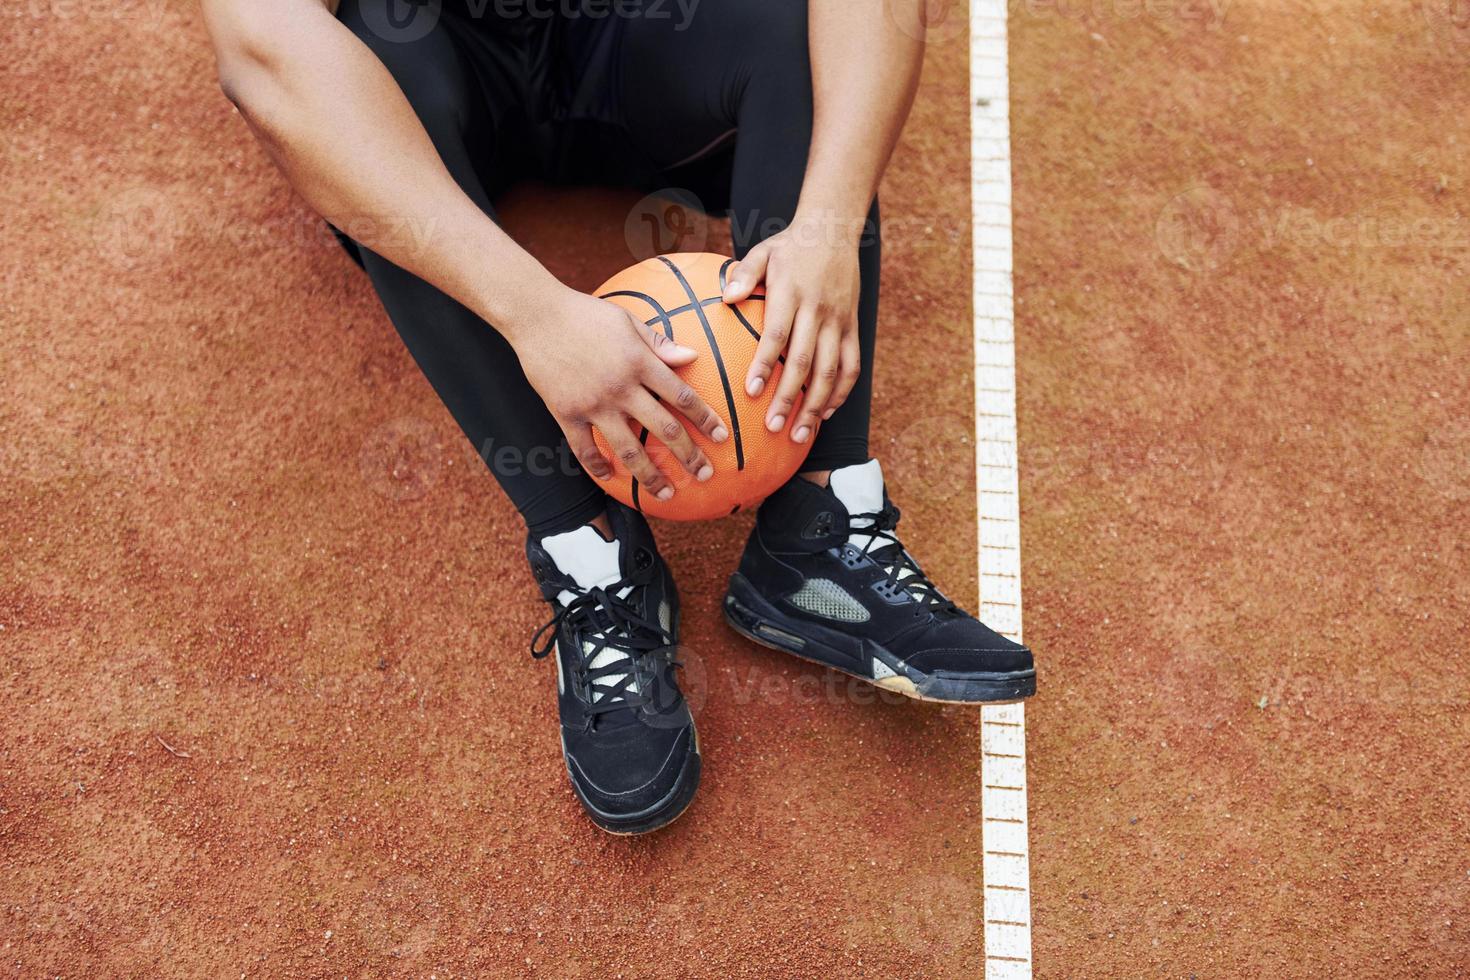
(267, 706)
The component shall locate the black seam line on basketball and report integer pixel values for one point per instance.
(668, 325)
(746, 323)
(735, 309)
(643, 439)
(714, 349)
(712, 301)
(727, 263)
(660, 314)
(781, 359)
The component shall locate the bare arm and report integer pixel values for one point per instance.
(865, 70)
(323, 105)
(340, 128)
(866, 57)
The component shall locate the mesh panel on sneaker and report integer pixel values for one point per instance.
(825, 597)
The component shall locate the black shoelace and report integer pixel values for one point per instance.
(903, 572)
(599, 619)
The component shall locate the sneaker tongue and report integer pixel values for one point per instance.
(585, 556)
(860, 488)
(592, 562)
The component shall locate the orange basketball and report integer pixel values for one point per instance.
(680, 295)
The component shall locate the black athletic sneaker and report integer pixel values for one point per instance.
(626, 733)
(825, 577)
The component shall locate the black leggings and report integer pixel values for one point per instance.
(720, 105)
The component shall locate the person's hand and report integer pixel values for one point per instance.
(811, 275)
(594, 364)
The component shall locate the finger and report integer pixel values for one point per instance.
(579, 438)
(794, 372)
(747, 274)
(775, 333)
(682, 398)
(662, 425)
(848, 373)
(631, 454)
(823, 380)
(672, 354)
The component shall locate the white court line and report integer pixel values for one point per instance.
(1007, 862)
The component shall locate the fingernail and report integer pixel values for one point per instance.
(705, 472)
(777, 423)
(720, 433)
(665, 493)
(802, 431)
(685, 350)
(755, 386)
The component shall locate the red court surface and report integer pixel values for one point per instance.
(1243, 336)
(268, 707)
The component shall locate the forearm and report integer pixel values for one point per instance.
(337, 124)
(865, 70)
